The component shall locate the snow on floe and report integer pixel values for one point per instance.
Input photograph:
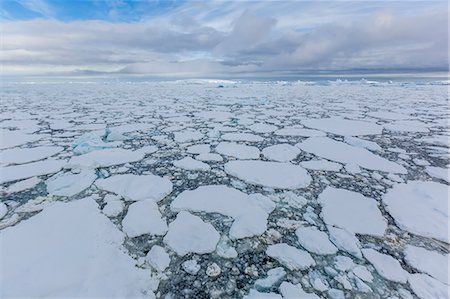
(3, 210)
(291, 257)
(341, 152)
(407, 126)
(137, 187)
(358, 142)
(342, 126)
(188, 163)
(427, 287)
(158, 258)
(420, 208)
(105, 157)
(281, 152)
(321, 165)
(298, 131)
(387, 266)
(427, 261)
(15, 138)
(345, 241)
(23, 185)
(209, 157)
(114, 206)
(26, 155)
(250, 213)
(438, 173)
(24, 171)
(351, 211)
(262, 128)
(238, 151)
(91, 141)
(242, 137)
(190, 234)
(315, 240)
(143, 217)
(254, 294)
(69, 184)
(295, 291)
(269, 174)
(198, 149)
(188, 135)
(70, 250)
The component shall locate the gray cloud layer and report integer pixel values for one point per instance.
(235, 39)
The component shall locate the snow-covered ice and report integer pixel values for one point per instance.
(69, 184)
(188, 163)
(281, 152)
(342, 126)
(386, 265)
(26, 155)
(290, 256)
(143, 217)
(25, 171)
(315, 240)
(239, 151)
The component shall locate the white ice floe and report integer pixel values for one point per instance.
(281, 152)
(225, 248)
(427, 287)
(187, 136)
(420, 208)
(209, 157)
(342, 126)
(427, 261)
(438, 173)
(105, 157)
(3, 210)
(198, 149)
(137, 187)
(69, 184)
(273, 278)
(262, 128)
(250, 213)
(295, 291)
(191, 267)
(114, 206)
(242, 137)
(387, 266)
(351, 211)
(25, 171)
(363, 273)
(300, 132)
(341, 152)
(254, 294)
(239, 151)
(292, 258)
(407, 126)
(345, 241)
(323, 165)
(388, 115)
(15, 138)
(26, 155)
(91, 141)
(358, 142)
(315, 240)
(269, 174)
(70, 250)
(158, 258)
(144, 217)
(187, 163)
(23, 185)
(189, 234)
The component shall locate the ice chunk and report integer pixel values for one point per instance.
(191, 267)
(315, 241)
(439, 173)
(91, 141)
(407, 126)
(273, 278)
(420, 208)
(143, 217)
(295, 291)
(15, 138)
(189, 234)
(302, 132)
(430, 262)
(198, 149)
(321, 165)
(363, 273)
(427, 287)
(69, 184)
(239, 151)
(23, 185)
(262, 128)
(281, 152)
(114, 206)
(225, 249)
(24, 171)
(69, 250)
(342, 126)
(158, 258)
(188, 163)
(188, 135)
(250, 218)
(351, 211)
(210, 157)
(242, 137)
(105, 157)
(345, 241)
(137, 187)
(387, 266)
(341, 152)
(292, 258)
(358, 142)
(258, 295)
(269, 174)
(26, 155)
(3, 210)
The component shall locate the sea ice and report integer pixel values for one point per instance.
(114, 206)
(292, 258)
(242, 137)
(3, 210)
(23, 185)
(439, 173)
(137, 187)
(351, 211)
(295, 291)
(321, 165)
(387, 266)
(105, 157)
(315, 240)
(301, 132)
(250, 217)
(273, 278)
(198, 149)
(239, 151)
(427, 287)
(269, 174)
(69, 184)
(209, 157)
(341, 152)
(342, 126)
(189, 234)
(431, 262)
(345, 241)
(262, 128)
(26, 155)
(188, 135)
(259, 295)
(281, 152)
(25, 171)
(187, 163)
(158, 258)
(15, 138)
(69, 250)
(143, 217)
(420, 208)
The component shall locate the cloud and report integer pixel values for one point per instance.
(234, 39)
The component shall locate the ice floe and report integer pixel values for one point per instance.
(239, 151)
(427, 287)
(143, 217)
(26, 155)
(291, 257)
(242, 137)
(105, 157)
(281, 152)
(187, 163)
(387, 266)
(315, 240)
(25, 171)
(342, 126)
(431, 262)
(69, 184)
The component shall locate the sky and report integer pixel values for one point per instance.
(221, 38)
